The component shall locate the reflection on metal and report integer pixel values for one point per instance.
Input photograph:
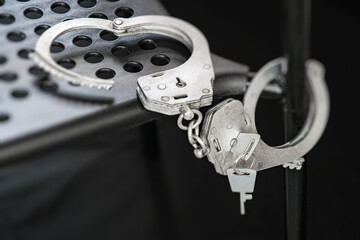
(164, 92)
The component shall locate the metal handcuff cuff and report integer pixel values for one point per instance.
(245, 148)
(170, 92)
(228, 136)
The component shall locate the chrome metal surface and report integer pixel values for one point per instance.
(193, 130)
(164, 92)
(227, 131)
(242, 183)
(265, 156)
(230, 130)
(55, 111)
(236, 149)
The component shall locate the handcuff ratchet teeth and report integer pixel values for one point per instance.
(165, 92)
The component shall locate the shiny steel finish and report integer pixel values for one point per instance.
(265, 156)
(193, 130)
(43, 58)
(243, 184)
(228, 132)
(66, 111)
(229, 128)
(190, 83)
(236, 149)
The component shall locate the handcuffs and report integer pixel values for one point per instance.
(228, 137)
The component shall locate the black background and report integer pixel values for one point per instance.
(250, 32)
(145, 183)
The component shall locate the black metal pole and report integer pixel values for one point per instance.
(296, 37)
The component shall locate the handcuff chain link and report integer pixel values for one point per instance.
(193, 130)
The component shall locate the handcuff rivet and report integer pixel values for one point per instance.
(161, 86)
(213, 130)
(117, 23)
(205, 90)
(165, 98)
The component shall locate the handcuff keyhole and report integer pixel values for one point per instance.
(180, 83)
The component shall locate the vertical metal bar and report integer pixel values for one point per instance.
(297, 17)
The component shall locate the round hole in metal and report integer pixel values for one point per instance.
(6, 18)
(120, 51)
(124, 12)
(57, 47)
(160, 60)
(105, 73)
(87, 3)
(19, 93)
(2, 60)
(8, 77)
(108, 36)
(82, 41)
(67, 63)
(133, 67)
(4, 117)
(98, 15)
(93, 57)
(16, 36)
(41, 29)
(47, 85)
(147, 44)
(24, 53)
(60, 7)
(33, 13)
(37, 71)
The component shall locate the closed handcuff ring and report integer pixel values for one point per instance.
(265, 156)
(196, 74)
